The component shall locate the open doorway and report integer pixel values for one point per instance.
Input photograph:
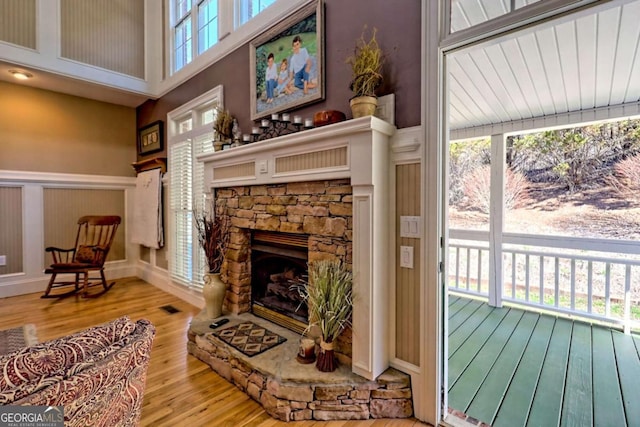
(543, 222)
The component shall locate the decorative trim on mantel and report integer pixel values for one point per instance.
(265, 154)
(359, 150)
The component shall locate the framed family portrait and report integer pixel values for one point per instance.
(287, 63)
(150, 138)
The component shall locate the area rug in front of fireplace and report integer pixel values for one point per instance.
(17, 338)
(249, 338)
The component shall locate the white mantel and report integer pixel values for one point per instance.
(357, 149)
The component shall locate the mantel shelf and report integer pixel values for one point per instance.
(148, 164)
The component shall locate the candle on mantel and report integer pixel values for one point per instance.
(297, 120)
(308, 123)
(285, 117)
(246, 137)
(255, 130)
(274, 116)
(265, 123)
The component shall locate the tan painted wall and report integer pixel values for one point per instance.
(407, 279)
(44, 131)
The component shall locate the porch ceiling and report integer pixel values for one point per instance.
(582, 62)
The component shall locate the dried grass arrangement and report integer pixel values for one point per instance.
(366, 65)
(223, 124)
(213, 236)
(329, 298)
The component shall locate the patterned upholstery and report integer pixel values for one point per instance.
(98, 375)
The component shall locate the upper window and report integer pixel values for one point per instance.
(197, 25)
(247, 9)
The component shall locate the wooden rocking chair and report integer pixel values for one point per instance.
(93, 241)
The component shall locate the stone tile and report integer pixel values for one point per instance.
(332, 392)
(391, 408)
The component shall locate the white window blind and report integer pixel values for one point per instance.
(190, 134)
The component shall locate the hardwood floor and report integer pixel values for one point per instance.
(181, 390)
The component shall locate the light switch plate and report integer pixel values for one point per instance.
(406, 256)
(410, 227)
(3, 260)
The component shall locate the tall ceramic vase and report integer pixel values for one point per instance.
(213, 292)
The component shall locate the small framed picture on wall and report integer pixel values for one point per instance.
(150, 138)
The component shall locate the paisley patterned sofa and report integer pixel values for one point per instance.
(98, 374)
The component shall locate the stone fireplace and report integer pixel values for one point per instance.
(276, 229)
(318, 194)
(331, 185)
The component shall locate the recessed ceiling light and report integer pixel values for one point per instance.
(21, 75)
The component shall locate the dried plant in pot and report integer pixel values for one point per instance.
(329, 297)
(366, 69)
(213, 237)
(223, 127)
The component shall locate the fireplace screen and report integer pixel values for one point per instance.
(278, 260)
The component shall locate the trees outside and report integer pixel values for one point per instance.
(580, 181)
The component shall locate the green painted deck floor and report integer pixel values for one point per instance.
(511, 367)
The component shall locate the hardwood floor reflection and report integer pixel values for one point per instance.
(181, 390)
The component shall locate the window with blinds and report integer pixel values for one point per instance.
(190, 134)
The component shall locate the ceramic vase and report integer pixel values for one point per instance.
(213, 291)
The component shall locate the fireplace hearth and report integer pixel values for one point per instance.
(278, 262)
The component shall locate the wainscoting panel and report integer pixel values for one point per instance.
(11, 229)
(317, 160)
(407, 279)
(97, 33)
(18, 22)
(64, 206)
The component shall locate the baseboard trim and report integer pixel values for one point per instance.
(21, 285)
(160, 279)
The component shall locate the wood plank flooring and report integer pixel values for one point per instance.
(181, 390)
(509, 367)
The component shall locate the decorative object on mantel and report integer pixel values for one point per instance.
(213, 237)
(224, 128)
(150, 138)
(278, 125)
(328, 294)
(287, 63)
(366, 68)
(328, 117)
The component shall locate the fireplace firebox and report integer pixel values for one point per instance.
(278, 262)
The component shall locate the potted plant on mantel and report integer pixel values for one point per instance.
(213, 237)
(223, 127)
(366, 68)
(329, 298)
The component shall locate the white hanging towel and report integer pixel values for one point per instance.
(147, 210)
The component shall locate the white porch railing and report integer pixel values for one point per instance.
(593, 278)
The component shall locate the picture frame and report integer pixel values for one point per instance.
(298, 39)
(150, 138)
